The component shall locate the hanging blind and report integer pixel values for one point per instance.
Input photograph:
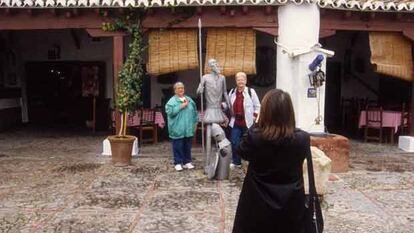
(391, 54)
(172, 50)
(234, 50)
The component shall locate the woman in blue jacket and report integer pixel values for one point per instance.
(182, 119)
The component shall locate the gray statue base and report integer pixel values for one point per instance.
(218, 160)
(223, 168)
(211, 168)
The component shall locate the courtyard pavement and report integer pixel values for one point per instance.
(54, 181)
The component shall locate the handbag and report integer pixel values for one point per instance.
(313, 211)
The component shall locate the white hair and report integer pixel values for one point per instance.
(177, 84)
(241, 74)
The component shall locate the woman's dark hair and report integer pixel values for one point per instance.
(277, 117)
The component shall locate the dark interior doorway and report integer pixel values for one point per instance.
(333, 97)
(393, 91)
(56, 95)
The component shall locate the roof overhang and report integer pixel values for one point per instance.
(354, 5)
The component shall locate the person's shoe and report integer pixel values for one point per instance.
(188, 166)
(178, 167)
(233, 166)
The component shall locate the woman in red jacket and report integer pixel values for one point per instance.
(272, 198)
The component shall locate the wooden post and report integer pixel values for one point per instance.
(411, 120)
(118, 56)
(410, 35)
(94, 114)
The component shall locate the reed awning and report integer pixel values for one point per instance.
(234, 49)
(172, 50)
(391, 54)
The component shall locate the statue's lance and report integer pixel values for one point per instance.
(200, 48)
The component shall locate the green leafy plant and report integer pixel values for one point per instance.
(128, 94)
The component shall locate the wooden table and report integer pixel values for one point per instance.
(390, 119)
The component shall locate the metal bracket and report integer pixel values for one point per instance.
(297, 52)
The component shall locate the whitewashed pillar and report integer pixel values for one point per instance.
(299, 31)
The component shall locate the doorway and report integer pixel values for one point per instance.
(58, 93)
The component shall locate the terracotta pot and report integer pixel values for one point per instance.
(121, 149)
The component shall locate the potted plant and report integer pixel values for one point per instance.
(128, 93)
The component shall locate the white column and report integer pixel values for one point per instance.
(299, 30)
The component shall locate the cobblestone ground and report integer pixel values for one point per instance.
(56, 182)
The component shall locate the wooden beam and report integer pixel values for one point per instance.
(326, 33)
(364, 16)
(232, 12)
(75, 12)
(223, 10)
(97, 32)
(199, 10)
(118, 56)
(331, 20)
(53, 11)
(270, 31)
(105, 13)
(245, 10)
(75, 38)
(398, 16)
(347, 14)
(50, 21)
(409, 33)
(212, 17)
(268, 10)
(383, 22)
(151, 11)
(411, 120)
(68, 14)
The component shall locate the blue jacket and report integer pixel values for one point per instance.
(181, 122)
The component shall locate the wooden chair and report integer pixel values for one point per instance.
(346, 112)
(405, 120)
(147, 123)
(373, 120)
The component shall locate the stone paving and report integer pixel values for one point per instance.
(56, 182)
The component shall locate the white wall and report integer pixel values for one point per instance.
(299, 29)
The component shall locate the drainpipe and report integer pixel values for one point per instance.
(297, 48)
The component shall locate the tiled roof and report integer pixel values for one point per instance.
(358, 5)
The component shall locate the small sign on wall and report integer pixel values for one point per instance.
(311, 92)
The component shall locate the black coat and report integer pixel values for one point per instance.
(272, 198)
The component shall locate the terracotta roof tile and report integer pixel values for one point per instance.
(357, 5)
